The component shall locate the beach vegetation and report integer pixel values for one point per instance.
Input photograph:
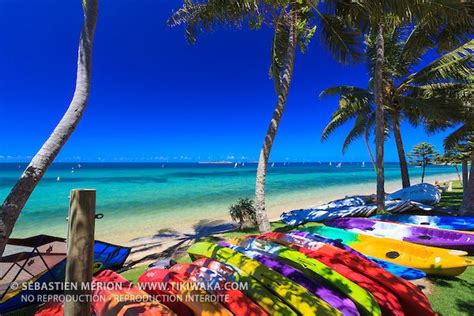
(39, 164)
(422, 155)
(244, 213)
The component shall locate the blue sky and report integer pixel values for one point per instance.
(155, 97)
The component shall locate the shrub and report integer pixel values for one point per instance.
(243, 212)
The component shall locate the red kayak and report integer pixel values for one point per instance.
(170, 286)
(115, 296)
(123, 298)
(411, 299)
(236, 301)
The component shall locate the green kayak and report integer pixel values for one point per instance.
(293, 294)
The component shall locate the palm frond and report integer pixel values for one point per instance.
(342, 42)
(342, 90)
(199, 17)
(456, 65)
(459, 135)
(360, 128)
(463, 91)
(418, 42)
(350, 105)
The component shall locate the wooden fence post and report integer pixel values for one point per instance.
(80, 252)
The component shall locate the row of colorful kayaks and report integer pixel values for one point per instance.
(317, 270)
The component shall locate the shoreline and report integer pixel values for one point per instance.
(275, 207)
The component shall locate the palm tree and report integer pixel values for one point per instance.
(408, 94)
(373, 15)
(17, 198)
(294, 24)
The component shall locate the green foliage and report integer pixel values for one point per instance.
(459, 153)
(410, 95)
(423, 154)
(243, 212)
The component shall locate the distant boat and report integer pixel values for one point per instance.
(163, 165)
(72, 170)
(330, 163)
(273, 165)
(236, 164)
(79, 166)
(58, 179)
(243, 164)
(363, 164)
(339, 165)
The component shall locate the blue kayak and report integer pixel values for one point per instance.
(443, 222)
(398, 270)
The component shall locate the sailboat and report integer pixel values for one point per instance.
(330, 163)
(236, 164)
(273, 165)
(339, 165)
(363, 164)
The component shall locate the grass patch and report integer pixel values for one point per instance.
(133, 274)
(453, 296)
(453, 198)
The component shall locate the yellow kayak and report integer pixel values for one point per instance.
(293, 294)
(432, 260)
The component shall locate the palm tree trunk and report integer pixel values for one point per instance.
(282, 94)
(369, 150)
(468, 199)
(423, 173)
(379, 118)
(22, 190)
(465, 176)
(401, 151)
(457, 172)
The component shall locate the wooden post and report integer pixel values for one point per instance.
(80, 252)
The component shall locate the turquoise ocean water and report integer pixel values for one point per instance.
(141, 198)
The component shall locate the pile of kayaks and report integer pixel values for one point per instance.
(417, 198)
(348, 268)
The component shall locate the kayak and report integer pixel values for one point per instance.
(252, 288)
(394, 295)
(173, 289)
(388, 303)
(436, 261)
(235, 300)
(290, 292)
(366, 303)
(114, 295)
(398, 270)
(316, 287)
(428, 236)
(422, 193)
(321, 214)
(443, 222)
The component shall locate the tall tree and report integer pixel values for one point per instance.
(422, 155)
(294, 24)
(409, 94)
(16, 200)
(373, 15)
